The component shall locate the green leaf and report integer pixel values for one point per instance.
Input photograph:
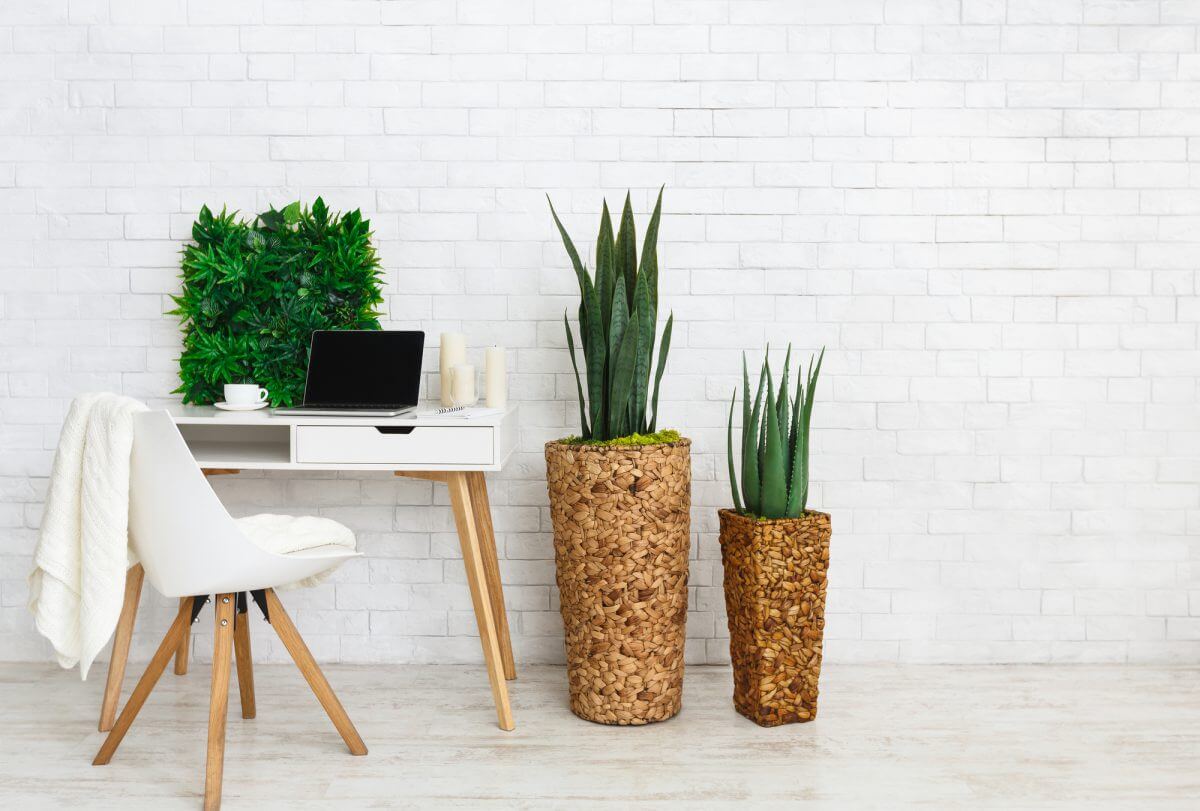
(580, 271)
(751, 480)
(623, 382)
(605, 273)
(585, 430)
(733, 486)
(774, 474)
(626, 257)
(649, 266)
(593, 352)
(643, 322)
(663, 348)
(616, 332)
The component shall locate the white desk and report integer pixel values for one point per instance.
(453, 451)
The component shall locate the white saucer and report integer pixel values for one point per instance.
(224, 406)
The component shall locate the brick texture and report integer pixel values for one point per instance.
(986, 210)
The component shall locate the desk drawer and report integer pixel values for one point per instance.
(370, 445)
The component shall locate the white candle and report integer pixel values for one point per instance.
(497, 380)
(463, 385)
(453, 352)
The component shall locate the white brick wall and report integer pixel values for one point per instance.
(987, 210)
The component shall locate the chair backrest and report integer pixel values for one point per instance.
(184, 537)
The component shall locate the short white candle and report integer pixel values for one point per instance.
(453, 352)
(497, 379)
(463, 385)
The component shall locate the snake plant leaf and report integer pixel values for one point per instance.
(580, 271)
(616, 332)
(733, 486)
(751, 480)
(605, 271)
(774, 474)
(627, 250)
(622, 391)
(643, 321)
(663, 348)
(594, 360)
(649, 266)
(583, 418)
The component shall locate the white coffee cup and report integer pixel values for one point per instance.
(245, 394)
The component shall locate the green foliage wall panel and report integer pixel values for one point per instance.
(254, 291)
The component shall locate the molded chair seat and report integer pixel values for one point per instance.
(190, 547)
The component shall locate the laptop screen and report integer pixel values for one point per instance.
(364, 368)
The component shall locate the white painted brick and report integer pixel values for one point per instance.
(984, 209)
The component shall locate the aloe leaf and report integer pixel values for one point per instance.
(585, 431)
(616, 331)
(626, 264)
(733, 486)
(807, 421)
(663, 347)
(745, 414)
(751, 481)
(799, 447)
(774, 474)
(781, 408)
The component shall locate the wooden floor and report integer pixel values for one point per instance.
(950, 737)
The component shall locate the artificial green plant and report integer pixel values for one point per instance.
(774, 453)
(254, 291)
(618, 316)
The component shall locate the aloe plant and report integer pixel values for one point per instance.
(618, 316)
(774, 453)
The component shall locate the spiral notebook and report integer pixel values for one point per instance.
(463, 413)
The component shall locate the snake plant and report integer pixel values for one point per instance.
(618, 316)
(774, 458)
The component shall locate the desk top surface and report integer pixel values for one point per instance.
(208, 415)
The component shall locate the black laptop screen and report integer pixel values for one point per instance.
(364, 368)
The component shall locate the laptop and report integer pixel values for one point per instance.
(361, 373)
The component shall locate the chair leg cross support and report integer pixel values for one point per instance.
(231, 640)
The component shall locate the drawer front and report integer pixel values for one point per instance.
(369, 445)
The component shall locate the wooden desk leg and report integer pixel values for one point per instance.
(482, 508)
(464, 520)
(120, 646)
(185, 644)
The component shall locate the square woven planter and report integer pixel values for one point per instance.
(775, 596)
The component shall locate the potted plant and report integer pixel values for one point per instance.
(620, 493)
(775, 553)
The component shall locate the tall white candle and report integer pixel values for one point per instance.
(453, 352)
(497, 379)
(463, 385)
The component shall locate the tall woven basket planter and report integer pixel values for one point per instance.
(775, 596)
(621, 536)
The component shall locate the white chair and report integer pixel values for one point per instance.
(190, 547)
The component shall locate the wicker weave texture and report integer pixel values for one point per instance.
(775, 596)
(621, 537)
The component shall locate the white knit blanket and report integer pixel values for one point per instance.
(78, 581)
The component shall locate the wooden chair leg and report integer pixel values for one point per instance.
(218, 704)
(482, 508)
(245, 666)
(142, 691)
(185, 644)
(303, 658)
(120, 646)
(464, 519)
